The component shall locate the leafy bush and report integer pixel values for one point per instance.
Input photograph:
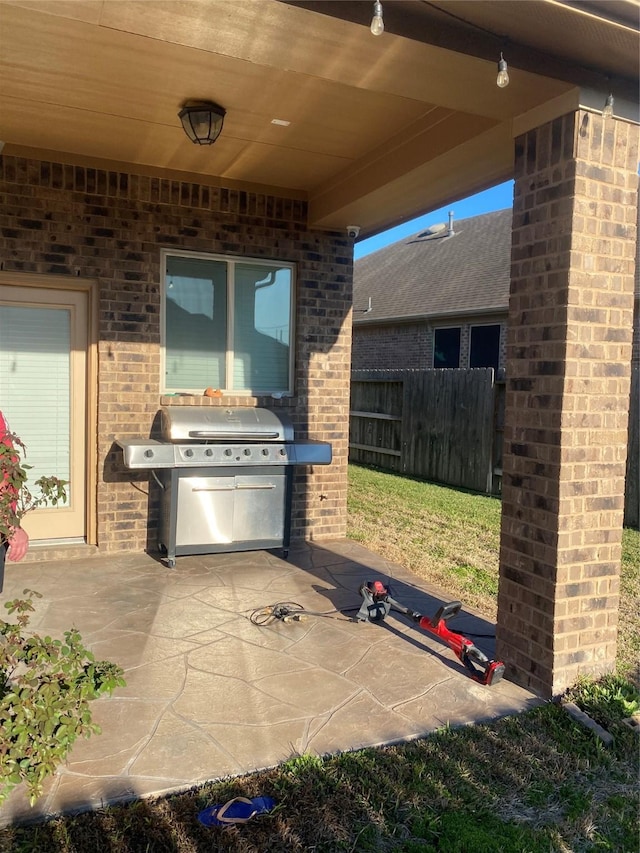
(608, 701)
(45, 689)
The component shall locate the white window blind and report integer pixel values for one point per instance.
(35, 385)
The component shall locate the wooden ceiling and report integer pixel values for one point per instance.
(381, 129)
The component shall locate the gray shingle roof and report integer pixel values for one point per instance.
(425, 275)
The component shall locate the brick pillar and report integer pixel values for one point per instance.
(568, 376)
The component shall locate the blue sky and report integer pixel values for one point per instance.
(497, 198)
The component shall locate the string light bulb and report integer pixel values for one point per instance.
(607, 112)
(503, 75)
(377, 24)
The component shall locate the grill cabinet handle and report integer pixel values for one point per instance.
(232, 436)
(255, 486)
(240, 486)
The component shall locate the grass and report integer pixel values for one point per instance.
(452, 539)
(535, 783)
(448, 536)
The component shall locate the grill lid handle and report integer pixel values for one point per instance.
(232, 436)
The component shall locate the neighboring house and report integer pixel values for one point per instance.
(439, 298)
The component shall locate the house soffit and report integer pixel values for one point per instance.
(380, 129)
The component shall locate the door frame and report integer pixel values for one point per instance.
(90, 288)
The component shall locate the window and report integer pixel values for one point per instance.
(485, 346)
(35, 384)
(227, 324)
(446, 348)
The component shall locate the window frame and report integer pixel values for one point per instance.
(231, 261)
(437, 329)
(473, 326)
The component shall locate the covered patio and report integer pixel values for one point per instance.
(331, 130)
(210, 694)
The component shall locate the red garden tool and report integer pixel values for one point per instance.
(377, 603)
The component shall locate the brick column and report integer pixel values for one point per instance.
(568, 375)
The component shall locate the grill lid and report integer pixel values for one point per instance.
(208, 423)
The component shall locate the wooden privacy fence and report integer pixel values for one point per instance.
(436, 424)
(447, 426)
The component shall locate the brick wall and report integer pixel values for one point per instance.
(407, 345)
(568, 369)
(396, 346)
(66, 221)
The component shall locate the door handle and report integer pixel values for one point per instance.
(248, 487)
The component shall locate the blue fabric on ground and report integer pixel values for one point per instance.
(235, 811)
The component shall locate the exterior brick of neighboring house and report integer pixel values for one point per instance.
(453, 279)
(62, 224)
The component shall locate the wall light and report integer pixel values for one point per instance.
(202, 121)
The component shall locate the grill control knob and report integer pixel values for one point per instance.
(265, 451)
(283, 452)
(188, 452)
(246, 451)
(228, 452)
(208, 452)
(149, 454)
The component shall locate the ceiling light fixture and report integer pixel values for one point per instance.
(503, 75)
(377, 24)
(202, 121)
(607, 111)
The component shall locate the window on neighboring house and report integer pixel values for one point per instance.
(485, 346)
(227, 324)
(446, 347)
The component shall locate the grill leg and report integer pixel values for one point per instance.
(169, 559)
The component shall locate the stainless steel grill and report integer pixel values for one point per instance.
(225, 476)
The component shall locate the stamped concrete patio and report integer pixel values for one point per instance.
(210, 694)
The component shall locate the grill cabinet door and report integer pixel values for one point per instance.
(238, 507)
(259, 507)
(205, 510)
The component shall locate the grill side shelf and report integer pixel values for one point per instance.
(146, 453)
(309, 452)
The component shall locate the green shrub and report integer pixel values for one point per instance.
(608, 700)
(45, 689)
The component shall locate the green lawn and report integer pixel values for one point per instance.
(535, 783)
(452, 538)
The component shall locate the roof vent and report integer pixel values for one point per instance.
(450, 231)
(433, 230)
